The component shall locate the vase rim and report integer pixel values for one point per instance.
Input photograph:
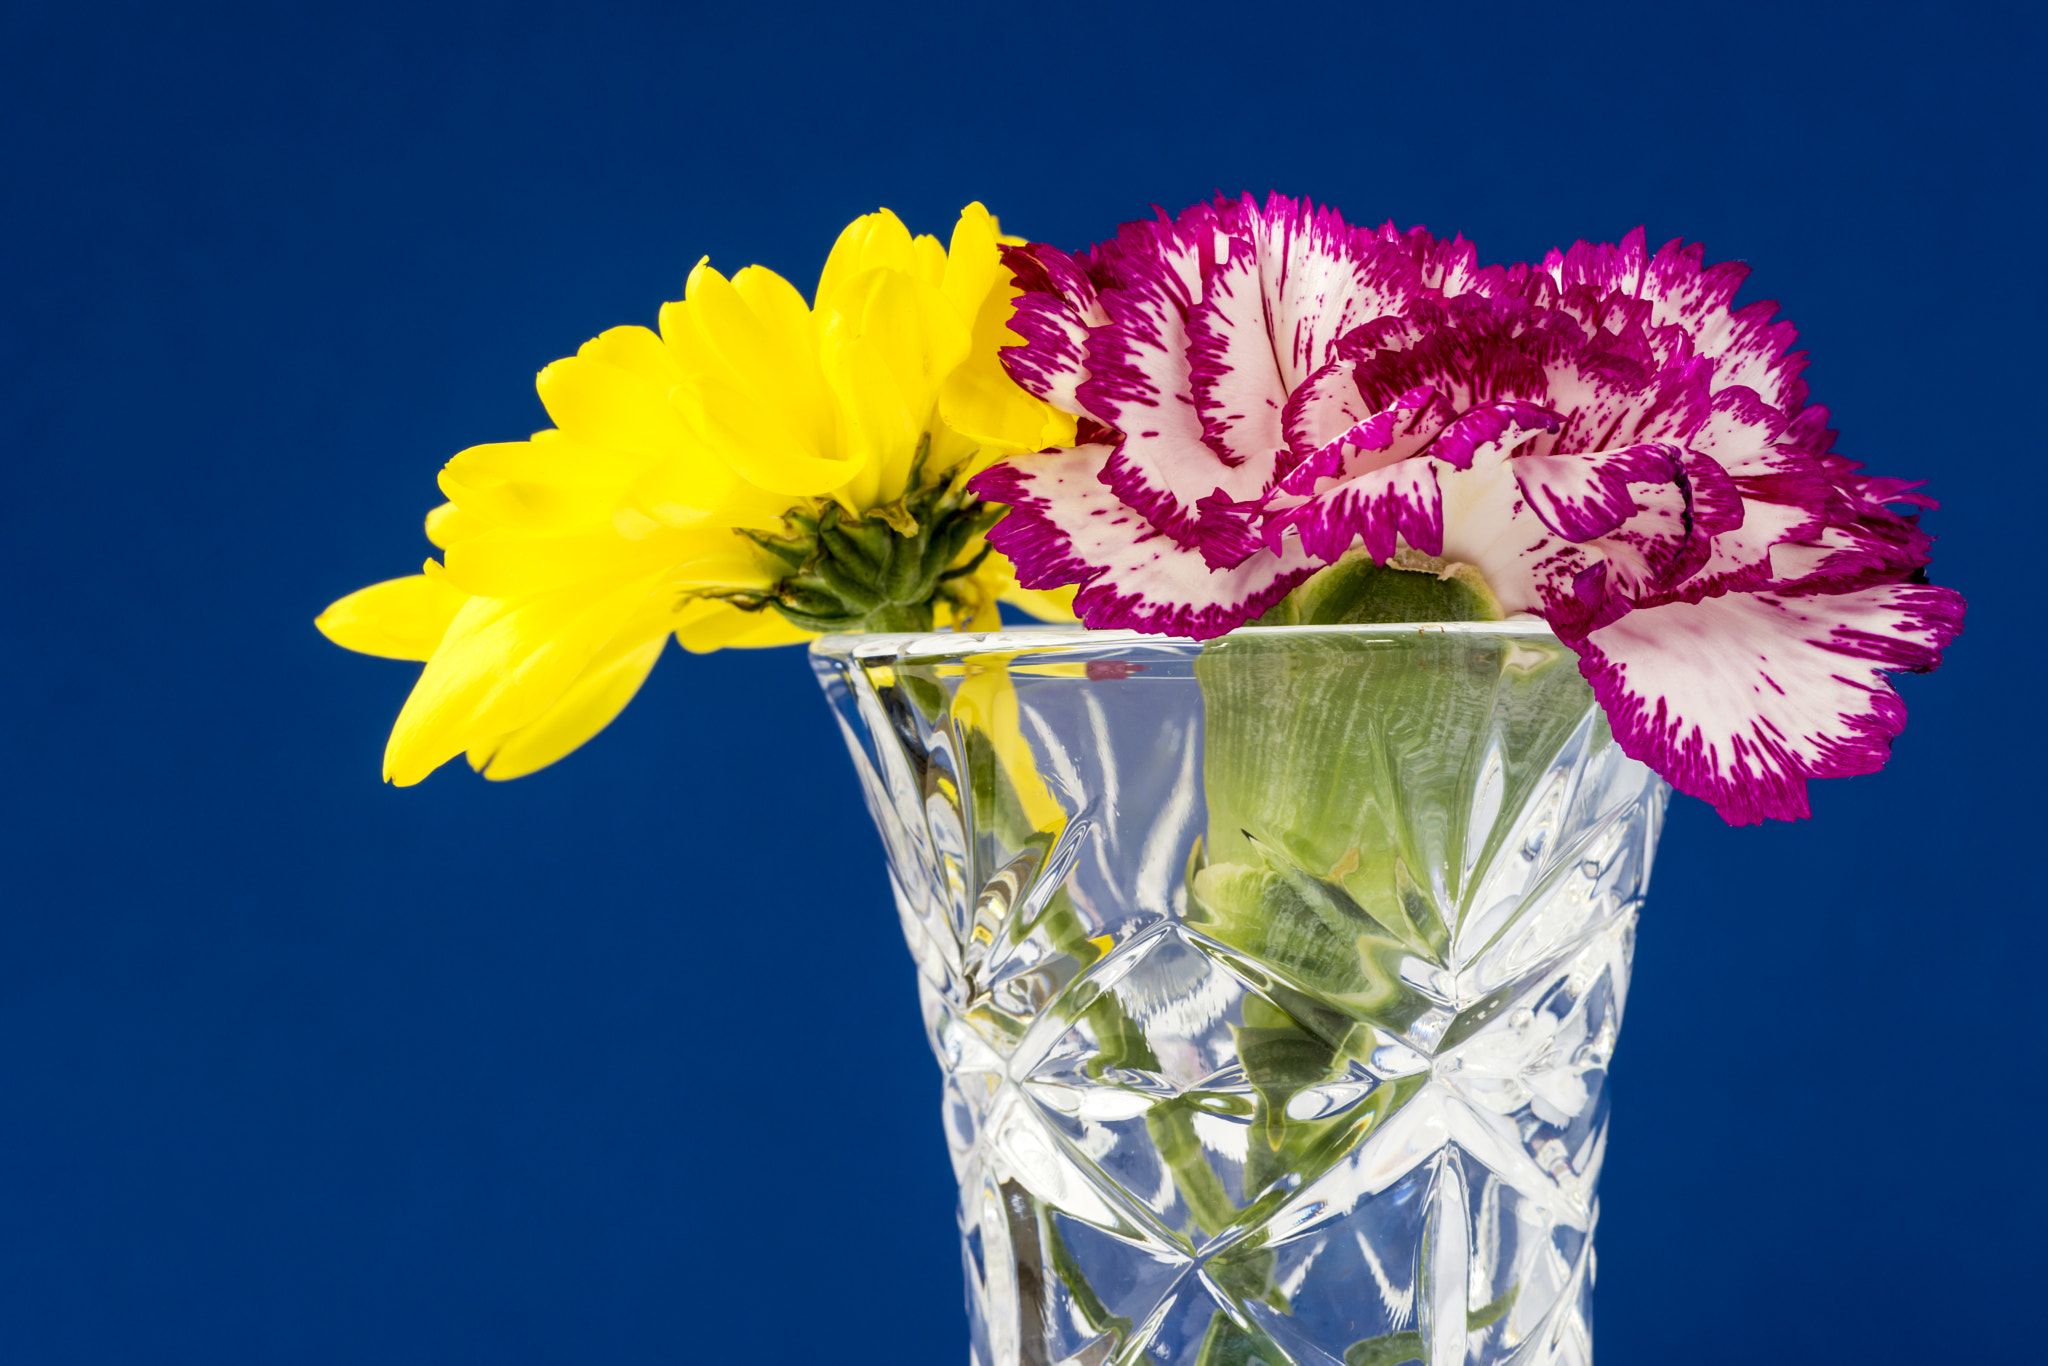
(1040, 636)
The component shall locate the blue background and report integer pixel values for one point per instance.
(621, 1063)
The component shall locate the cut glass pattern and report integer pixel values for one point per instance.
(1274, 981)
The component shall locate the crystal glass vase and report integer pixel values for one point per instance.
(1274, 980)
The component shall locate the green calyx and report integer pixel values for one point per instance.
(1358, 591)
(882, 570)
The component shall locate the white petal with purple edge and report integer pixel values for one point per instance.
(1035, 544)
(1648, 552)
(1236, 380)
(1689, 310)
(1743, 556)
(1585, 495)
(1319, 411)
(1054, 315)
(1141, 384)
(1151, 584)
(1504, 425)
(1322, 279)
(1741, 699)
(1841, 557)
(1065, 526)
(1398, 500)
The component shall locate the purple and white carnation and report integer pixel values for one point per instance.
(1263, 388)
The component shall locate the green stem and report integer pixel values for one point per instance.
(899, 616)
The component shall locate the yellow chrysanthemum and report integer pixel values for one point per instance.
(693, 482)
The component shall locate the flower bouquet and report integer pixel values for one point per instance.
(1273, 908)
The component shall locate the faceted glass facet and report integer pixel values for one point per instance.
(1274, 980)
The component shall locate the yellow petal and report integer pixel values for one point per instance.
(770, 630)
(599, 404)
(751, 389)
(950, 448)
(986, 701)
(781, 308)
(1047, 604)
(397, 619)
(873, 241)
(772, 355)
(887, 344)
(636, 350)
(690, 493)
(728, 561)
(928, 260)
(448, 524)
(758, 440)
(546, 484)
(999, 419)
(598, 695)
(510, 563)
(553, 460)
(980, 614)
(499, 667)
(985, 404)
(708, 625)
(973, 262)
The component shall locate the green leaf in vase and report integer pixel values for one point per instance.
(1391, 1350)
(1340, 767)
(1230, 1344)
(1395, 1348)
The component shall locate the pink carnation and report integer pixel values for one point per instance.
(1263, 388)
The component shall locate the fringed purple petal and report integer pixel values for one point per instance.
(1871, 495)
(1883, 491)
(1030, 535)
(1716, 499)
(1396, 432)
(1237, 387)
(1650, 551)
(1228, 531)
(1742, 699)
(1686, 312)
(1739, 558)
(1379, 508)
(1749, 437)
(1139, 383)
(1604, 267)
(1160, 588)
(1502, 425)
(1065, 526)
(1164, 475)
(1139, 353)
(1319, 411)
(1447, 269)
(1322, 278)
(1835, 559)
(1576, 585)
(1054, 315)
(1586, 495)
(1807, 429)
